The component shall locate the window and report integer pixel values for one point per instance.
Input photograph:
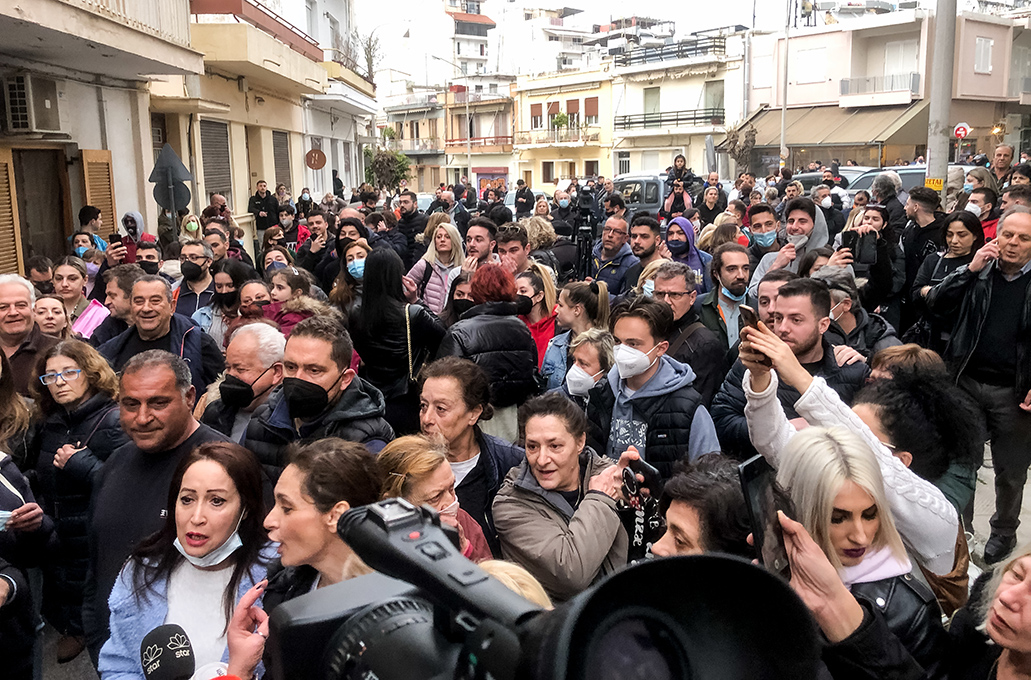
(465, 67)
(311, 13)
(900, 57)
(281, 157)
(553, 38)
(493, 87)
(713, 92)
(810, 66)
(413, 129)
(591, 111)
(483, 50)
(622, 162)
(591, 168)
(552, 112)
(527, 16)
(548, 171)
(983, 56)
(573, 112)
(536, 117)
(458, 47)
(214, 151)
(479, 88)
(334, 34)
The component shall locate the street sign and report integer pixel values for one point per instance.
(315, 159)
(168, 176)
(935, 183)
(961, 130)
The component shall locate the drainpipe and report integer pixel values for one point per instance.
(784, 92)
(748, 75)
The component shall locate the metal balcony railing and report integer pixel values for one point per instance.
(424, 144)
(558, 135)
(476, 97)
(167, 19)
(497, 140)
(899, 82)
(686, 118)
(715, 46)
(261, 17)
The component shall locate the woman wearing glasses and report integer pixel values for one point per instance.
(77, 430)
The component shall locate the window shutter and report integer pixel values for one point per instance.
(10, 232)
(552, 108)
(281, 157)
(214, 151)
(535, 110)
(591, 106)
(100, 182)
(572, 106)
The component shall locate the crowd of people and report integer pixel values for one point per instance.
(183, 423)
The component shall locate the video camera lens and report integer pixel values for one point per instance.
(636, 645)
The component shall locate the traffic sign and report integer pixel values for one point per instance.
(961, 130)
(935, 183)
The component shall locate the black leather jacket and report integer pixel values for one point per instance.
(384, 351)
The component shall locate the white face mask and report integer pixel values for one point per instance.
(631, 362)
(831, 313)
(798, 240)
(219, 554)
(449, 515)
(579, 382)
(826, 202)
(973, 208)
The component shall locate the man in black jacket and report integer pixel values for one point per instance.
(801, 317)
(264, 206)
(524, 200)
(921, 237)
(318, 245)
(990, 353)
(411, 222)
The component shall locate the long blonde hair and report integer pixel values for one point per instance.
(539, 232)
(813, 468)
(457, 251)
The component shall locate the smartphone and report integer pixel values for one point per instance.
(757, 479)
(749, 316)
(849, 240)
(115, 239)
(652, 478)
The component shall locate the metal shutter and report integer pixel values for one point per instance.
(214, 151)
(100, 182)
(10, 233)
(281, 157)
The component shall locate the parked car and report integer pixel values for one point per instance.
(642, 192)
(847, 172)
(911, 175)
(424, 201)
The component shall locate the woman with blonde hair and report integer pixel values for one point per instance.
(444, 253)
(646, 282)
(581, 305)
(416, 468)
(539, 233)
(542, 209)
(190, 229)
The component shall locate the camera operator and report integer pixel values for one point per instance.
(556, 512)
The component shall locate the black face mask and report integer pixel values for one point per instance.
(44, 287)
(303, 398)
(462, 306)
(149, 267)
(226, 300)
(524, 305)
(237, 394)
(191, 271)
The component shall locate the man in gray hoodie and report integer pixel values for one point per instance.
(647, 400)
(806, 229)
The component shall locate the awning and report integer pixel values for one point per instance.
(834, 126)
(472, 18)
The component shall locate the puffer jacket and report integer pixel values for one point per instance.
(384, 351)
(411, 224)
(357, 417)
(565, 548)
(613, 272)
(435, 292)
(492, 336)
(871, 334)
(966, 296)
(65, 495)
(728, 407)
(292, 312)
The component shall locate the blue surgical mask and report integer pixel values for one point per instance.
(730, 296)
(219, 554)
(765, 239)
(80, 251)
(305, 197)
(968, 187)
(563, 203)
(356, 268)
(649, 288)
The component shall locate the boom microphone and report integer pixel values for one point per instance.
(166, 654)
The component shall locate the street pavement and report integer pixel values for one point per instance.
(984, 505)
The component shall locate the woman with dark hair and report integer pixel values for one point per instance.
(292, 300)
(491, 335)
(273, 237)
(963, 236)
(276, 257)
(814, 260)
(459, 299)
(877, 257)
(306, 204)
(211, 550)
(215, 318)
(349, 284)
(52, 317)
(1021, 174)
(537, 285)
(77, 430)
(394, 338)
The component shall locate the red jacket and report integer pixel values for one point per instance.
(542, 331)
(130, 246)
(990, 227)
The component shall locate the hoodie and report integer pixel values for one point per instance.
(613, 272)
(819, 237)
(130, 243)
(664, 419)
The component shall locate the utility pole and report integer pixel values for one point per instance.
(468, 120)
(784, 92)
(939, 128)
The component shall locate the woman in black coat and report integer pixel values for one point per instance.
(492, 336)
(393, 338)
(74, 389)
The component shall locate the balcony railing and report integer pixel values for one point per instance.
(476, 97)
(558, 135)
(414, 101)
(167, 19)
(424, 144)
(716, 46)
(261, 17)
(1019, 85)
(497, 140)
(666, 119)
(899, 82)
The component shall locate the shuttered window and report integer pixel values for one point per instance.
(572, 106)
(536, 117)
(591, 110)
(100, 182)
(214, 151)
(281, 157)
(10, 234)
(552, 107)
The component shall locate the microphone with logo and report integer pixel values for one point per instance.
(166, 654)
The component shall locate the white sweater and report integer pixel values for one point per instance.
(926, 520)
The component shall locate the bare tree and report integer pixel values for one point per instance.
(371, 49)
(739, 144)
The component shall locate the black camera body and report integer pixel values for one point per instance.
(432, 614)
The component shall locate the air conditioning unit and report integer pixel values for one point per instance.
(31, 104)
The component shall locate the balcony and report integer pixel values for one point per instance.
(460, 98)
(1020, 88)
(495, 144)
(415, 103)
(688, 49)
(417, 147)
(668, 121)
(899, 88)
(263, 18)
(124, 39)
(570, 136)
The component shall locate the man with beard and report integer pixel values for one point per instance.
(721, 306)
(480, 242)
(806, 229)
(410, 223)
(801, 316)
(198, 284)
(645, 237)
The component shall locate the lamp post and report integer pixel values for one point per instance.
(468, 120)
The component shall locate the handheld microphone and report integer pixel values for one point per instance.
(166, 654)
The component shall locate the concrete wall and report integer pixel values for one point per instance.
(968, 84)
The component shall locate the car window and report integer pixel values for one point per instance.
(912, 178)
(631, 190)
(862, 182)
(651, 193)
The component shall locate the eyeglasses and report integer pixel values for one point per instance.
(613, 230)
(67, 375)
(672, 294)
(196, 259)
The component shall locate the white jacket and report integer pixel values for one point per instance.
(926, 519)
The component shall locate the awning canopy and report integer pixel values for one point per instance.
(834, 126)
